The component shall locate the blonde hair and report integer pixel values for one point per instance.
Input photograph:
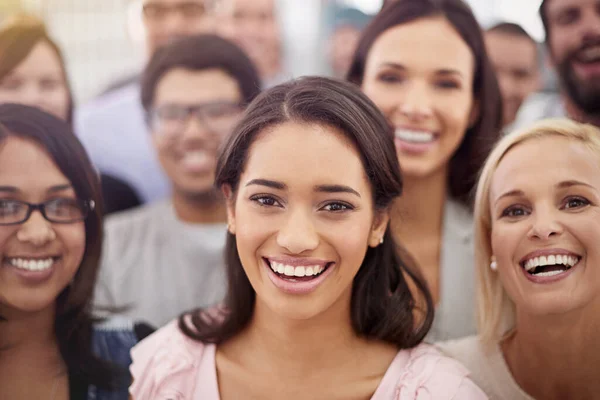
(495, 310)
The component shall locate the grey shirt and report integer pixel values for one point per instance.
(159, 266)
(455, 313)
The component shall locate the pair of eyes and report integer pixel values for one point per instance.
(391, 78)
(335, 206)
(570, 203)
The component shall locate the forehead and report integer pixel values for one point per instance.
(306, 154)
(431, 42)
(20, 157)
(205, 85)
(249, 5)
(173, 2)
(543, 162)
(506, 47)
(41, 59)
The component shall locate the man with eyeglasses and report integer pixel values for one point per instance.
(165, 258)
(112, 126)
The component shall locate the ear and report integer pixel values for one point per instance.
(380, 223)
(475, 111)
(230, 205)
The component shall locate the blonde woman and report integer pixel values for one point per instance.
(538, 257)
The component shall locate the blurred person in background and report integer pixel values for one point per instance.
(573, 43)
(51, 344)
(424, 64)
(254, 26)
(164, 258)
(112, 127)
(348, 24)
(33, 72)
(514, 55)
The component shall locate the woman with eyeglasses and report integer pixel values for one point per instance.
(51, 347)
(33, 72)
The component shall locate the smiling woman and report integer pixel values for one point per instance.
(537, 229)
(50, 241)
(424, 64)
(318, 296)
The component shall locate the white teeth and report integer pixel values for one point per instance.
(30, 264)
(414, 136)
(289, 270)
(590, 55)
(550, 260)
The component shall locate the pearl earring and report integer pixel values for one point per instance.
(381, 240)
(493, 264)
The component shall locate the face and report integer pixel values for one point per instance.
(39, 258)
(574, 41)
(420, 74)
(342, 46)
(38, 81)
(253, 26)
(516, 63)
(167, 20)
(545, 202)
(193, 112)
(303, 218)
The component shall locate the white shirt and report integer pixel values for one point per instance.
(160, 266)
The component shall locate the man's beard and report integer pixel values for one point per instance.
(584, 94)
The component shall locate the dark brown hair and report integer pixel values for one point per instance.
(17, 40)
(483, 134)
(382, 305)
(73, 326)
(198, 53)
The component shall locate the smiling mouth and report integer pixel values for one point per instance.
(297, 273)
(31, 264)
(550, 265)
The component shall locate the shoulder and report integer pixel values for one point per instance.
(123, 224)
(165, 360)
(429, 371)
(112, 101)
(113, 339)
(460, 349)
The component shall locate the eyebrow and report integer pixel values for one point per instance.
(60, 188)
(317, 188)
(336, 189)
(512, 193)
(443, 71)
(267, 183)
(571, 183)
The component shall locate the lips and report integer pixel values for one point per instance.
(297, 276)
(197, 161)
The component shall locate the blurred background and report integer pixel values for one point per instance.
(101, 38)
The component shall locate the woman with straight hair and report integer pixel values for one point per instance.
(319, 304)
(51, 347)
(424, 64)
(33, 72)
(537, 229)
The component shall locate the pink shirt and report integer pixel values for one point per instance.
(170, 366)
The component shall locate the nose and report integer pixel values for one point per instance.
(174, 25)
(196, 130)
(36, 230)
(591, 27)
(416, 104)
(545, 226)
(32, 96)
(298, 234)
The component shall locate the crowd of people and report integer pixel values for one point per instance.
(422, 225)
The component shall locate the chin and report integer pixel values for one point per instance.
(551, 304)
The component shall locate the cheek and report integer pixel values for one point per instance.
(73, 240)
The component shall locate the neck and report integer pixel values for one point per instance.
(327, 340)
(574, 112)
(420, 208)
(28, 342)
(206, 208)
(556, 356)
